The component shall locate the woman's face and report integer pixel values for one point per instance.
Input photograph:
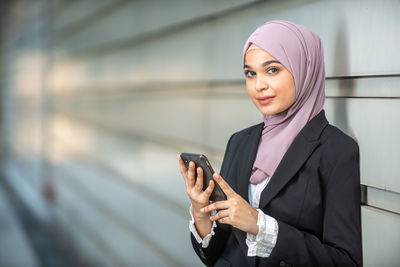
(270, 85)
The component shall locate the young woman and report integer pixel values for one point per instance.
(292, 182)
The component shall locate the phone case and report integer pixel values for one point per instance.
(201, 161)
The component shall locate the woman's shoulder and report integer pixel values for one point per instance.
(337, 142)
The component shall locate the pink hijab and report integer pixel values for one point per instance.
(300, 51)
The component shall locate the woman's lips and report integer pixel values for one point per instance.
(265, 100)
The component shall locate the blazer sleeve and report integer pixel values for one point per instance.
(341, 239)
(218, 241)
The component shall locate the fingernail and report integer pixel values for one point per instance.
(202, 209)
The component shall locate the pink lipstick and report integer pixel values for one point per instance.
(265, 100)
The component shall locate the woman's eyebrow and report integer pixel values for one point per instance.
(266, 63)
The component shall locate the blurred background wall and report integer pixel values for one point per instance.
(99, 97)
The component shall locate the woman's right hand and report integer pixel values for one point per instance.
(194, 189)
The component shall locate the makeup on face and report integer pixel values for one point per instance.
(270, 85)
(265, 100)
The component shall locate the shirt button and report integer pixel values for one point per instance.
(282, 264)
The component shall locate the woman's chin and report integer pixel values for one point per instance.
(267, 111)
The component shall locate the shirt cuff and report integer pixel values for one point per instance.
(263, 243)
(206, 240)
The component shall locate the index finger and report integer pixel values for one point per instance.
(229, 192)
(223, 204)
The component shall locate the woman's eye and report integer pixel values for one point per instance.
(273, 70)
(249, 73)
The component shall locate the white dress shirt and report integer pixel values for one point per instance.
(260, 245)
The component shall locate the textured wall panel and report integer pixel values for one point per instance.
(381, 238)
(362, 119)
(212, 48)
(124, 221)
(133, 20)
(72, 14)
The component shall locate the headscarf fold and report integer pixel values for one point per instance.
(300, 51)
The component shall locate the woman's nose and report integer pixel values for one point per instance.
(261, 83)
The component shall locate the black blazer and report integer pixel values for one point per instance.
(314, 195)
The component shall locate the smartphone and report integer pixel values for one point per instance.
(201, 161)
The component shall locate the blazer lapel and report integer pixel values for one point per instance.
(249, 152)
(299, 151)
(294, 158)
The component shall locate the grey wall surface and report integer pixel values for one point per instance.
(98, 98)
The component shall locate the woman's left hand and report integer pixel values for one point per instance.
(234, 211)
